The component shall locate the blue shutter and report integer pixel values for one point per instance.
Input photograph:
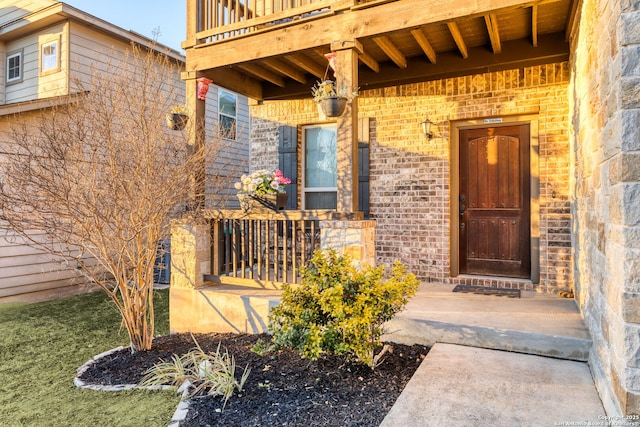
(363, 166)
(288, 161)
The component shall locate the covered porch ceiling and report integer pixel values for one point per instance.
(403, 41)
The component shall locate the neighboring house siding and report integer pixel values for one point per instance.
(19, 8)
(410, 176)
(34, 84)
(26, 273)
(87, 52)
(232, 161)
(29, 274)
(92, 50)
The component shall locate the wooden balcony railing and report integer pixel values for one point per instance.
(214, 20)
(265, 248)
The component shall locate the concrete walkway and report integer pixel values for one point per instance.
(487, 366)
(467, 386)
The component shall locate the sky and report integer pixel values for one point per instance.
(141, 16)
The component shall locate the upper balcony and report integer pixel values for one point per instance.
(216, 20)
(274, 49)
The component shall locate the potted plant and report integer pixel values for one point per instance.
(332, 98)
(178, 118)
(263, 191)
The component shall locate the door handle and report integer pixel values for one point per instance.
(462, 209)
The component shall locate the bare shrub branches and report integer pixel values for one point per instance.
(102, 176)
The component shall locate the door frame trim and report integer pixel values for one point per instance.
(454, 187)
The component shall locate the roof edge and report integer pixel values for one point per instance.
(66, 11)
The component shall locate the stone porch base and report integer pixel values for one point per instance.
(221, 308)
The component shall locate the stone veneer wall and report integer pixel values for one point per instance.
(409, 176)
(605, 95)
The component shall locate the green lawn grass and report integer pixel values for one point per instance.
(42, 345)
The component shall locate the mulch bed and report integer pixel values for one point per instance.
(282, 389)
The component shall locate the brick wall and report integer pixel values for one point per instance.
(410, 176)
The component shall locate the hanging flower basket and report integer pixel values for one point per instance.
(333, 106)
(331, 98)
(177, 121)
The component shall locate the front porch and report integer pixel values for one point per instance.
(488, 67)
(228, 273)
(538, 324)
(476, 76)
(563, 68)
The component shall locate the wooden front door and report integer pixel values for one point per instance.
(494, 202)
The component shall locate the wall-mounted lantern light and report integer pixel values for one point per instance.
(426, 128)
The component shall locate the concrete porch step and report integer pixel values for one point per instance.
(538, 324)
(543, 325)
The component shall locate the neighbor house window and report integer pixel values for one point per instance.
(320, 171)
(50, 56)
(227, 112)
(14, 67)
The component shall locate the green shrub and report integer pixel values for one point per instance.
(339, 309)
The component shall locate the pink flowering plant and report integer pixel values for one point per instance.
(262, 182)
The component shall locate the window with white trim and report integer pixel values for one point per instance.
(227, 113)
(14, 67)
(50, 56)
(320, 171)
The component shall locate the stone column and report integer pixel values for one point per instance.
(190, 254)
(347, 139)
(353, 238)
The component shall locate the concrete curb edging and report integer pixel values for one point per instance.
(181, 411)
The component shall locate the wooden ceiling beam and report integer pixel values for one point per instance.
(262, 73)
(369, 22)
(457, 37)
(391, 51)
(364, 57)
(424, 44)
(515, 54)
(286, 69)
(494, 35)
(534, 25)
(306, 64)
(369, 61)
(321, 52)
(573, 12)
